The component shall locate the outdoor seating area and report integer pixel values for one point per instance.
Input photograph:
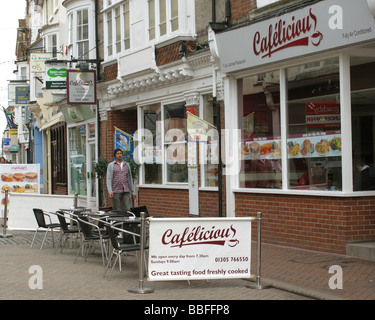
(115, 233)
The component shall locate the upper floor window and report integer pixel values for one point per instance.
(51, 44)
(82, 33)
(163, 17)
(117, 28)
(79, 34)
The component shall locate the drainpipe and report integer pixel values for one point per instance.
(213, 10)
(98, 78)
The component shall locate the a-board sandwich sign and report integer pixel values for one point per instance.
(199, 248)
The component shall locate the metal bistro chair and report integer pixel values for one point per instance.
(66, 229)
(91, 232)
(118, 248)
(40, 219)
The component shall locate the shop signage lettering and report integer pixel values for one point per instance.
(199, 248)
(199, 235)
(284, 35)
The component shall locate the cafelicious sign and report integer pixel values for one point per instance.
(323, 26)
(199, 248)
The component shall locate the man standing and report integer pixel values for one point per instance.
(120, 182)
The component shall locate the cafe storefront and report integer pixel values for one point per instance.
(301, 92)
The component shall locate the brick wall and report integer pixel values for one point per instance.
(240, 10)
(316, 223)
(175, 203)
(169, 53)
(110, 72)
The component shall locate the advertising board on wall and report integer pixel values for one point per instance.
(18, 178)
(199, 248)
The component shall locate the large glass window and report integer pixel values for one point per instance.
(165, 147)
(175, 146)
(153, 151)
(259, 121)
(77, 160)
(363, 122)
(210, 149)
(314, 126)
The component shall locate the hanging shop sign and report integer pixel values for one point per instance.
(37, 62)
(323, 26)
(22, 95)
(13, 135)
(6, 144)
(55, 76)
(199, 248)
(81, 87)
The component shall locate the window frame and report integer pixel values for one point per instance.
(164, 145)
(345, 114)
(168, 19)
(73, 42)
(118, 44)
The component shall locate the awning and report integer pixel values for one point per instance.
(54, 120)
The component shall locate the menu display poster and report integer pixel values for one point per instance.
(18, 178)
(308, 145)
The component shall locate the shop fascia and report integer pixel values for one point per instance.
(321, 27)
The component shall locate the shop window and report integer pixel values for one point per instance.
(314, 126)
(167, 153)
(153, 151)
(175, 145)
(259, 121)
(77, 160)
(363, 122)
(210, 149)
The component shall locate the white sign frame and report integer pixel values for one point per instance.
(81, 87)
(199, 248)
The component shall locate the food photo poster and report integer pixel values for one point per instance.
(18, 178)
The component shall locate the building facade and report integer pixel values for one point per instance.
(285, 83)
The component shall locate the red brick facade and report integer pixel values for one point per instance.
(311, 222)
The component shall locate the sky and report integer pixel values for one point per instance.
(9, 15)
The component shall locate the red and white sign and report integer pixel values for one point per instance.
(199, 248)
(323, 114)
(323, 26)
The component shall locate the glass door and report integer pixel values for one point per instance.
(91, 178)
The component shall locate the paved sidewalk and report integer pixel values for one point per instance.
(293, 274)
